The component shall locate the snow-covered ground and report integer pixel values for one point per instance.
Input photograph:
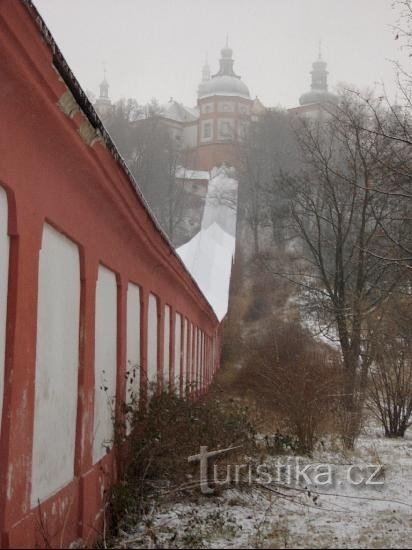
(340, 515)
(209, 254)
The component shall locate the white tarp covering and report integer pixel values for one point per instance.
(209, 254)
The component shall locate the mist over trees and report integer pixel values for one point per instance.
(152, 156)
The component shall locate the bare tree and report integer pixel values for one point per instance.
(393, 122)
(338, 219)
(120, 122)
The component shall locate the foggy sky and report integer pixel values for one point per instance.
(156, 48)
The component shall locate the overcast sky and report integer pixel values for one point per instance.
(156, 48)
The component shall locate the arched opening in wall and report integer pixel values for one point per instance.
(166, 349)
(133, 358)
(4, 278)
(105, 362)
(152, 342)
(178, 351)
(57, 362)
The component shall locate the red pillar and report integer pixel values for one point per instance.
(20, 364)
(85, 407)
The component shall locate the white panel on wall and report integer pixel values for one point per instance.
(199, 358)
(194, 370)
(202, 359)
(166, 348)
(152, 340)
(210, 361)
(184, 358)
(190, 358)
(133, 345)
(213, 354)
(205, 369)
(105, 362)
(4, 276)
(178, 349)
(57, 361)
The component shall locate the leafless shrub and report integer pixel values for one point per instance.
(390, 381)
(164, 435)
(297, 378)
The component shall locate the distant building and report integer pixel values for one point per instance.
(208, 133)
(182, 123)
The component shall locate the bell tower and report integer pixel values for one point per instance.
(103, 105)
(224, 113)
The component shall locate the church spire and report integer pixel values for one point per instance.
(319, 74)
(104, 86)
(319, 83)
(103, 105)
(226, 61)
(206, 70)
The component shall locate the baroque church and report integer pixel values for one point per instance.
(209, 132)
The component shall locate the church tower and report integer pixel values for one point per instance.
(319, 86)
(224, 113)
(103, 105)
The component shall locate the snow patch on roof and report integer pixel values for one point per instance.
(187, 174)
(178, 112)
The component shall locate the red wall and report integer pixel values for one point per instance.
(51, 174)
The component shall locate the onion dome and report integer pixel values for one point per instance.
(225, 81)
(319, 88)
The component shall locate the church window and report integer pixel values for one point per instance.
(225, 129)
(207, 130)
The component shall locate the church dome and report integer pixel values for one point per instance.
(319, 88)
(225, 81)
(224, 85)
(317, 96)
